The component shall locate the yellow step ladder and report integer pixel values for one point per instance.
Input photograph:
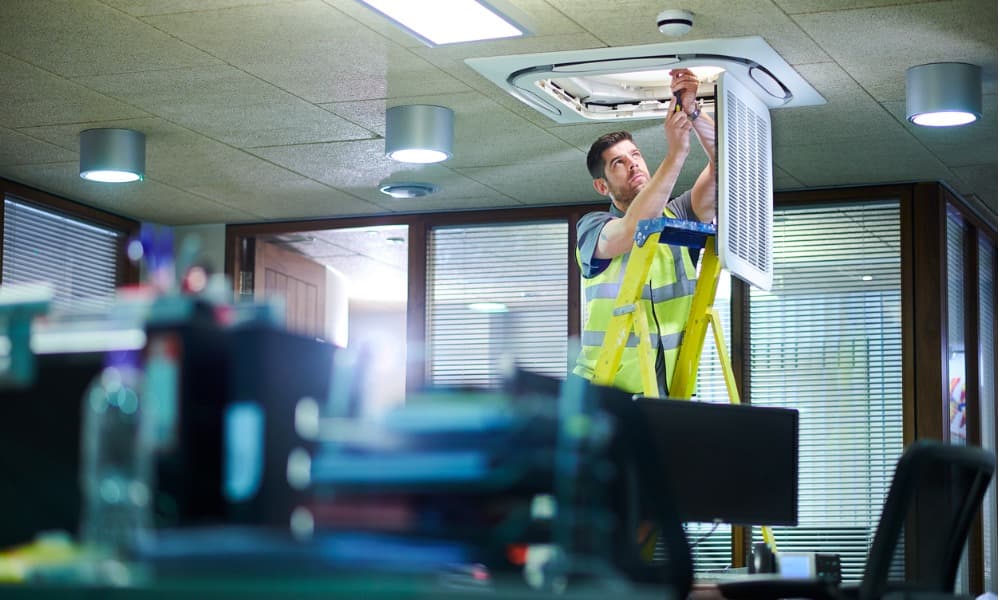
(629, 316)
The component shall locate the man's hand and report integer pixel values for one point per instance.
(685, 82)
(677, 127)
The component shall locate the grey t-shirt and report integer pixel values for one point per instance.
(588, 230)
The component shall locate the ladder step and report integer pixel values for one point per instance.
(623, 310)
(679, 232)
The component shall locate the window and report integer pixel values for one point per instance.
(78, 259)
(988, 394)
(955, 404)
(827, 340)
(496, 292)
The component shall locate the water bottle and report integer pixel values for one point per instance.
(116, 472)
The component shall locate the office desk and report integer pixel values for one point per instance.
(339, 588)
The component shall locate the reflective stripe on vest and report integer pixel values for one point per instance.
(669, 341)
(660, 294)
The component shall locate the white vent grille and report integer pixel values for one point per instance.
(745, 188)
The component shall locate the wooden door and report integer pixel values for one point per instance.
(299, 281)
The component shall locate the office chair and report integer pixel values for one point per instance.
(936, 487)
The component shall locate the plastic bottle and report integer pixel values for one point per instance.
(116, 473)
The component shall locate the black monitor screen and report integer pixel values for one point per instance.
(731, 463)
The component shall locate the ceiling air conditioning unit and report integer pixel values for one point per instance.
(632, 82)
(741, 80)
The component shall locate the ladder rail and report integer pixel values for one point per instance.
(629, 315)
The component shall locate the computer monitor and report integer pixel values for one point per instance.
(40, 447)
(727, 463)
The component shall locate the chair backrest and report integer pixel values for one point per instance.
(938, 488)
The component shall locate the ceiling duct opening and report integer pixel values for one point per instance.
(633, 82)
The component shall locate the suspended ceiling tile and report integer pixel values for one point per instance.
(410, 75)
(540, 183)
(981, 179)
(270, 42)
(190, 89)
(834, 163)
(289, 197)
(369, 114)
(374, 242)
(147, 200)
(957, 30)
(831, 122)
(264, 125)
(800, 126)
(229, 105)
(794, 7)
(616, 25)
(338, 164)
(433, 203)
(86, 37)
(145, 8)
(32, 96)
(20, 148)
(781, 180)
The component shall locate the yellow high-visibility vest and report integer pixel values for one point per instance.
(667, 297)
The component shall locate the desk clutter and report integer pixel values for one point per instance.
(184, 438)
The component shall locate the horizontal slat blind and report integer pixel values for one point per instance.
(78, 259)
(827, 340)
(522, 267)
(957, 283)
(711, 546)
(988, 397)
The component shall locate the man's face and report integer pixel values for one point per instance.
(625, 173)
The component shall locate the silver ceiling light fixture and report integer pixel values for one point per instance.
(419, 133)
(112, 155)
(944, 94)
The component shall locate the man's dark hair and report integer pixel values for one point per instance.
(595, 163)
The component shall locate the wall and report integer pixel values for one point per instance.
(378, 333)
(212, 239)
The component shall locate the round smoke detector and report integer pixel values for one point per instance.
(408, 189)
(675, 22)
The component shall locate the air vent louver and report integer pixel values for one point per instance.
(746, 194)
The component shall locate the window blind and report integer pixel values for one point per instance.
(496, 292)
(827, 340)
(955, 404)
(78, 259)
(987, 251)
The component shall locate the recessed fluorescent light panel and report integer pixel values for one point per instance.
(438, 22)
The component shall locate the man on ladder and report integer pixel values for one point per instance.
(605, 239)
(657, 301)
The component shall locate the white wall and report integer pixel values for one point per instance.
(212, 240)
